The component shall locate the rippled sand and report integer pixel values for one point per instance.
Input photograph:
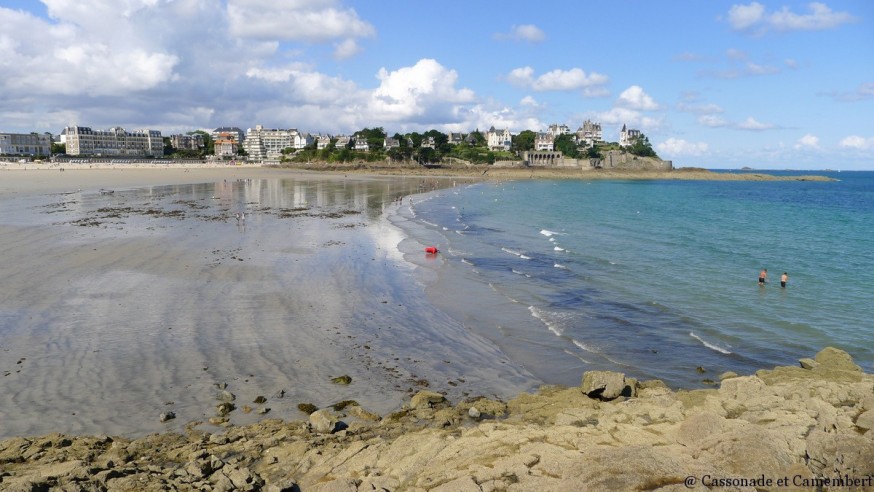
(131, 293)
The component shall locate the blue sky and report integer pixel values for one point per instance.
(713, 84)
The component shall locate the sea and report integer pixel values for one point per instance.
(657, 279)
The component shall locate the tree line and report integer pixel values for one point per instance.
(472, 149)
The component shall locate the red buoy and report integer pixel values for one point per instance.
(431, 250)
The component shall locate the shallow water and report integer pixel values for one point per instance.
(117, 307)
(656, 278)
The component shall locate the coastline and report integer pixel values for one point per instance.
(57, 460)
(477, 172)
(806, 427)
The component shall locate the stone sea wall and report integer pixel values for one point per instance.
(807, 427)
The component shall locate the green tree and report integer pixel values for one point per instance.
(479, 137)
(59, 148)
(524, 140)
(441, 140)
(208, 144)
(427, 155)
(168, 147)
(375, 137)
(566, 145)
(593, 152)
(641, 147)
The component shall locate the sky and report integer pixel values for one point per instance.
(714, 84)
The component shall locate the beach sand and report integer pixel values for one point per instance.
(129, 293)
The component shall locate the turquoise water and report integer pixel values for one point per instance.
(656, 278)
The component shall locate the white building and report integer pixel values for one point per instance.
(263, 144)
(557, 130)
(193, 141)
(628, 136)
(544, 141)
(428, 143)
(499, 139)
(323, 141)
(590, 134)
(225, 147)
(30, 144)
(361, 144)
(115, 142)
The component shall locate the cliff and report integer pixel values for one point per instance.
(807, 426)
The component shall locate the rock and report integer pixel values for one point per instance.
(165, 416)
(307, 408)
(836, 359)
(605, 385)
(339, 406)
(218, 439)
(425, 399)
(344, 379)
(473, 413)
(226, 396)
(259, 400)
(727, 375)
(224, 409)
(360, 413)
(323, 421)
(865, 420)
(808, 363)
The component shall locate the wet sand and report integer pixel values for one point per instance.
(128, 293)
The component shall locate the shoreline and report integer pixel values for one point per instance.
(806, 426)
(478, 172)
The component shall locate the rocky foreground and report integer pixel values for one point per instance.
(802, 428)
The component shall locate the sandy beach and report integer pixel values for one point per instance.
(128, 293)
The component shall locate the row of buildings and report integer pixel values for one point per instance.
(262, 144)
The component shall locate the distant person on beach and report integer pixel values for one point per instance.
(783, 279)
(763, 276)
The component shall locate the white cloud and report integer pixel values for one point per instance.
(751, 124)
(857, 142)
(756, 69)
(744, 16)
(808, 142)
(346, 49)
(529, 101)
(618, 116)
(524, 32)
(425, 91)
(635, 98)
(820, 17)
(712, 121)
(704, 109)
(680, 147)
(314, 21)
(754, 18)
(523, 76)
(557, 80)
(567, 80)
